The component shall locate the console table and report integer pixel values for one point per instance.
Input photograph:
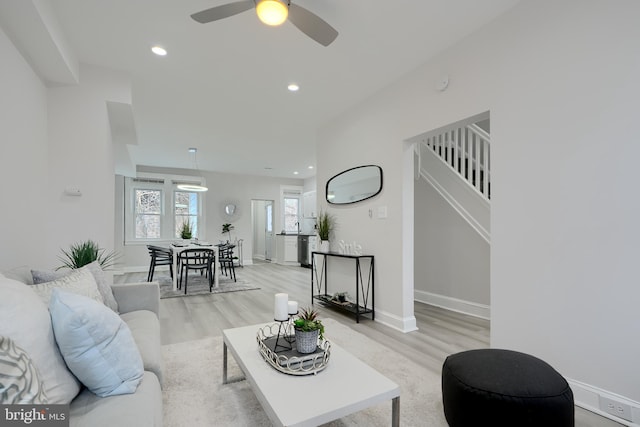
(364, 294)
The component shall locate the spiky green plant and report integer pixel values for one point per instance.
(83, 253)
(186, 230)
(325, 224)
(308, 321)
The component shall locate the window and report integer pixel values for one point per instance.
(270, 217)
(148, 212)
(155, 208)
(186, 210)
(291, 209)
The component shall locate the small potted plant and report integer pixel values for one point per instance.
(308, 329)
(81, 254)
(186, 230)
(341, 297)
(226, 228)
(325, 224)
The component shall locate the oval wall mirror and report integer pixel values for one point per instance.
(354, 185)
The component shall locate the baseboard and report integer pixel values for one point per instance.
(461, 306)
(288, 263)
(588, 397)
(406, 324)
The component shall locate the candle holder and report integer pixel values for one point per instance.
(287, 335)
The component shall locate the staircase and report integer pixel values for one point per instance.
(455, 160)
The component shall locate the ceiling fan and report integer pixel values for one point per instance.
(274, 12)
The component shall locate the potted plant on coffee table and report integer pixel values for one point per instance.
(308, 328)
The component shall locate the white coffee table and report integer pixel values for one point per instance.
(345, 386)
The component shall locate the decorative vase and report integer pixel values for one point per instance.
(324, 246)
(306, 341)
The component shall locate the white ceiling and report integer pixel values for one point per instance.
(223, 86)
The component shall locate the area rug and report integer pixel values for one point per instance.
(194, 395)
(199, 285)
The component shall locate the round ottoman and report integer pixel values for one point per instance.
(493, 387)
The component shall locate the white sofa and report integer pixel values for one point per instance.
(21, 315)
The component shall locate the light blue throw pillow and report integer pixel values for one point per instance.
(96, 344)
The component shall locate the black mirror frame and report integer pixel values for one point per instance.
(326, 187)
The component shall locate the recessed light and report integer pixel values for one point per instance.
(293, 87)
(310, 167)
(296, 173)
(159, 50)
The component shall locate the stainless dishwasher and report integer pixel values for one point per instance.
(303, 251)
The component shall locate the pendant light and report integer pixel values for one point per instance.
(193, 187)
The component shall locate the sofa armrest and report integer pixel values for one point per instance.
(137, 296)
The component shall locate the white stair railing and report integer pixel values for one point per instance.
(466, 150)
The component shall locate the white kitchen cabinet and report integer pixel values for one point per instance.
(309, 204)
(287, 249)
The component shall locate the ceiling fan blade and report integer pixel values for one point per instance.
(224, 11)
(312, 25)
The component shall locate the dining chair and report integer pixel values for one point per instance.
(202, 260)
(159, 256)
(226, 260)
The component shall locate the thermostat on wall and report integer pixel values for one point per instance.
(72, 191)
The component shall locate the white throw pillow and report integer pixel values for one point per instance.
(103, 285)
(19, 379)
(26, 320)
(96, 344)
(44, 276)
(103, 282)
(79, 282)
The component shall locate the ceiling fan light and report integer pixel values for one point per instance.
(272, 12)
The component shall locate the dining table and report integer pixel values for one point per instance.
(177, 247)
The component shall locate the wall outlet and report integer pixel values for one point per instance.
(617, 408)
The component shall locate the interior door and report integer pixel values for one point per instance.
(268, 232)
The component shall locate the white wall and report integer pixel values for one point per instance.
(51, 139)
(369, 135)
(223, 189)
(560, 80)
(23, 160)
(452, 259)
(565, 241)
(81, 155)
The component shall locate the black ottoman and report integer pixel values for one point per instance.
(494, 388)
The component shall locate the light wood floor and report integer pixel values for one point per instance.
(440, 332)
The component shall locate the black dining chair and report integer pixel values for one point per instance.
(226, 260)
(202, 260)
(159, 256)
